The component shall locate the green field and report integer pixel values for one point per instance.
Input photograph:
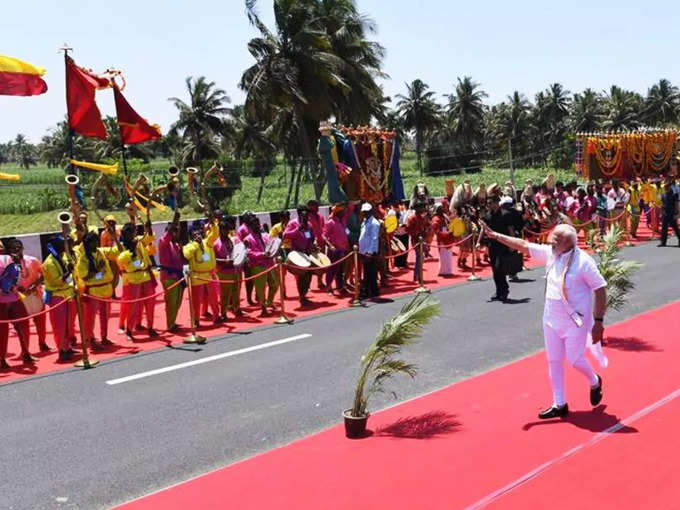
(43, 188)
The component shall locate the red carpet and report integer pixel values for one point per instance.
(454, 447)
(401, 283)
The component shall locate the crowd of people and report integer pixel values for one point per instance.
(224, 253)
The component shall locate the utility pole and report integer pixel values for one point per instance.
(512, 167)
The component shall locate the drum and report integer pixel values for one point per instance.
(295, 260)
(320, 262)
(611, 204)
(32, 303)
(457, 227)
(397, 246)
(273, 246)
(391, 224)
(239, 254)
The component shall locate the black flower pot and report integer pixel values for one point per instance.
(355, 427)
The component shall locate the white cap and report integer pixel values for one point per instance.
(366, 207)
(506, 200)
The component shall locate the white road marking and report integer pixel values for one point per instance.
(497, 494)
(207, 359)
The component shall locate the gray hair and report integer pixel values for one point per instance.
(568, 231)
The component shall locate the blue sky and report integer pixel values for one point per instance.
(505, 46)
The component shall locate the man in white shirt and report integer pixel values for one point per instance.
(575, 304)
(368, 248)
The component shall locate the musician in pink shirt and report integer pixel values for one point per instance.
(260, 260)
(336, 239)
(242, 232)
(226, 271)
(316, 221)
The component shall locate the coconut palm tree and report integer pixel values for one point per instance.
(465, 112)
(315, 64)
(201, 120)
(586, 111)
(662, 104)
(419, 112)
(622, 110)
(23, 152)
(55, 147)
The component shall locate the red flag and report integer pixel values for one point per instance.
(133, 128)
(83, 114)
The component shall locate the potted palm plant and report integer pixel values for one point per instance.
(617, 273)
(380, 361)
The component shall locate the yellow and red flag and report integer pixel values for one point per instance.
(19, 78)
(133, 128)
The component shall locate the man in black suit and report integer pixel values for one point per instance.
(669, 211)
(498, 220)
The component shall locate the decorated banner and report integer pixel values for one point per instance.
(133, 128)
(625, 155)
(83, 115)
(361, 164)
(9, 177)
(97, 167)
(19, 78)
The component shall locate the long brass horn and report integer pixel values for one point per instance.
(192, 171)
(72, 181)
(65, 217)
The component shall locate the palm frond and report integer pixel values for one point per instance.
(378, 364)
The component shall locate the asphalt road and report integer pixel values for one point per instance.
(70, 440)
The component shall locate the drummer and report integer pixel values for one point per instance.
(30, 284)
(260, 261)
(335, 236)
(226, 271)
(301, 237)
(278, 229)
(317, 221)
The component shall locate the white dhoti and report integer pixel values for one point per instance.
(445, 262)
(565, 340)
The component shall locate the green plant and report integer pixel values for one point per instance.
(618, 273)
(379, 363)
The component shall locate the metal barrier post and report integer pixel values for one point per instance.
(421, 285)
(194, 338)
(473, 277)
(357, 284)
(283, 319)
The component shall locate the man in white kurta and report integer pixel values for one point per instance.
(575, 300)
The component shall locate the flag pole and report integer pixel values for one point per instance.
(69, 169)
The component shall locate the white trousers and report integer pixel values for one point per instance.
(445, 262)
(564, 340)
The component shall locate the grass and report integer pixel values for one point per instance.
(40, 184)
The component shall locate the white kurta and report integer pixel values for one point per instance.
(563, 338)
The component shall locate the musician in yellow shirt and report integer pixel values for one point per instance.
(138, 282)
(200, 254)
(95, 277)
(58, 278)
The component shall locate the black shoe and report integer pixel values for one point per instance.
(65, 356)
(44, 347)
(554, 412)
(153, 333)
(596, 392)
(495, 297)
(660, 245)
(3, 364)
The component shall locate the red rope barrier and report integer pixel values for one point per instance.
(42, 312)
(137, 300)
